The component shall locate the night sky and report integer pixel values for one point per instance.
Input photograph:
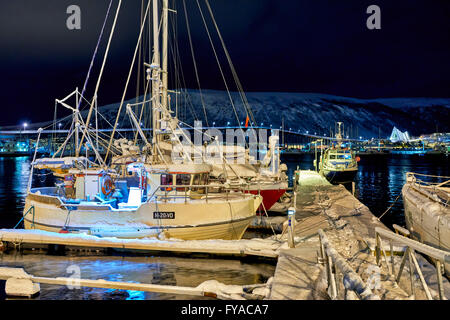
(318, 46)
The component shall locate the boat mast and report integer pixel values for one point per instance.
(155, 74)
(77, 124)
(339, 135)
(165, 27)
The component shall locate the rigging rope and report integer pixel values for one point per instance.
(126, 85)
(195, 63)
(233, 70)
(103, 65)
(220, 67)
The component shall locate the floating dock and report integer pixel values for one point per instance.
(330, 250)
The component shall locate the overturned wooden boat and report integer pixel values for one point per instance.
(426, 201)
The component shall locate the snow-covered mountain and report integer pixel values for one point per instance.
(310, 111)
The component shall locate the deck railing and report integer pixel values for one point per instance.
(440, 257)
(190, 192)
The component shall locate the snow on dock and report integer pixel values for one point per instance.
(255, 247)
(301, 272)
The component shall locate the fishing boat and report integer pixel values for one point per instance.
(151, 201)
(426, 202)
(138, 192)
(337, 164)
(267, 177)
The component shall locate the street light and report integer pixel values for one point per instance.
(25, 125)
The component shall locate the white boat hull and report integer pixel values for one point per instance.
(427, 220)
(194, 219)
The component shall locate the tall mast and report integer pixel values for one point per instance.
(155, 73)
(77, 124)
(164, 53)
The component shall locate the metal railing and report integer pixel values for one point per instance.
(430, 189)
(191, 192)
(340, 272)
(440, 257)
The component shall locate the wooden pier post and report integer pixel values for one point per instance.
(291, 221)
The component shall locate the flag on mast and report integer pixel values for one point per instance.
(246, 122)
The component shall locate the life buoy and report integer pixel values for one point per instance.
(107, 186)
(358, 159)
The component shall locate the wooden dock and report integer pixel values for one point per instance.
(351, 227)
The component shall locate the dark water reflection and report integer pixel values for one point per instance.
(150, 269)
(380, 179)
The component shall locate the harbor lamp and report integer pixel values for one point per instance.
(25, 125)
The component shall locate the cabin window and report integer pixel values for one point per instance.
(196, 179)
(204, 178)
(183, 180)
(200, 179)
(166, 180)
(332, 156)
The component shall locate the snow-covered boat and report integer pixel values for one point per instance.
(149, 201)
(136, 190)
(426, 200)
(337, 164)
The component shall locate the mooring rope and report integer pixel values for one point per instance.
(390, 207)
